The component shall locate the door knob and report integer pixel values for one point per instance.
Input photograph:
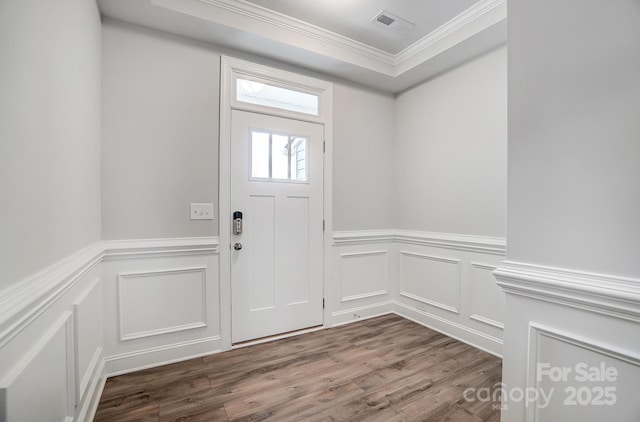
(237, 246)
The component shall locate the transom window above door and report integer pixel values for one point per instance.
(264, 94)
(277, 156)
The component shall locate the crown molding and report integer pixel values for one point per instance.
(601, 293)
(467, 24)
(262, 22)
(300, 27)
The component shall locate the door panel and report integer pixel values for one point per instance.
(277, 183)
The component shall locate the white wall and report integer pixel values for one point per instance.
(443, 172)
(572, 276)
(450, 151)
(160, 133)
(50, 324)
(574, 154)
(362, 159)
(159, 153)
(50, 132)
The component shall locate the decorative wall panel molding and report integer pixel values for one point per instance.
(22, 303)
(430, 279)
(178, 301)
(65, 369)
(44, 373)
(487, 304)
(584, 378)
(363, 275)
(88, 332)
(605, 294)
(440, 280)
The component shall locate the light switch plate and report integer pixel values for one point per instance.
(201, 211)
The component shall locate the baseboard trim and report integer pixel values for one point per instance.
(475, 338)
(162, 355)
(360, 313)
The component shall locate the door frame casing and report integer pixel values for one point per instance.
(231, 68)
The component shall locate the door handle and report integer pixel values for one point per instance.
(237, 246)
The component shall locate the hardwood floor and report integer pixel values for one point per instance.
(382, 369)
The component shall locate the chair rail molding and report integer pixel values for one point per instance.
(605, 294)
(363, 237)
(463, 242)
(23, 302)
(139, 248)
(79, 290)
(441, 280)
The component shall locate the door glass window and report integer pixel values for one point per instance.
(279, 157)
(260, 154)
(298, 158)
(275, 156)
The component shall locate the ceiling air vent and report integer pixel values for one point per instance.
(388, 20)
(385, 20)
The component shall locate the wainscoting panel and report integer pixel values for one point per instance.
(40, 386)
(60, 329)
(583, 380)
(441, 288)
(440, 280)
(51, 340)
(161, 302)
(360, 284)
(87, 322)
(487, 304)
(574, 336)
(431, 280)
(363, 275)
(178, 301)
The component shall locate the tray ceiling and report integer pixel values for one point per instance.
(335, 37)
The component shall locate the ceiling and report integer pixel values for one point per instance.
(335, 37)
(352, 18)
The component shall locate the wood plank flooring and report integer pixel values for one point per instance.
(382, 369)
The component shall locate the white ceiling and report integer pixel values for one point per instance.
(333, 37)
(352, 18)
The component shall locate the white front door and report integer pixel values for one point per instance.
(276, 262)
